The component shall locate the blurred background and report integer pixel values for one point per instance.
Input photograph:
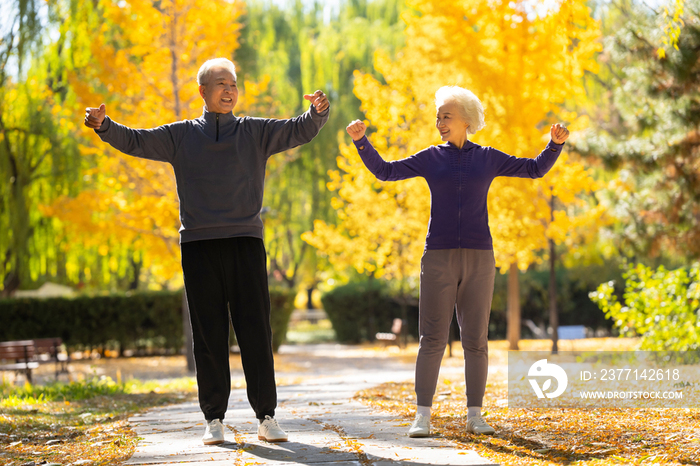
(605, 244)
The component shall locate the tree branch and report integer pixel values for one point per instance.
(35, 167)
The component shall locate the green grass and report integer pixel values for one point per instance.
(83, 420)
(305, 332)
(11, 395)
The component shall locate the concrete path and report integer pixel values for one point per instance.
(325, 426)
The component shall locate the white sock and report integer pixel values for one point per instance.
(423, 410)
(473, 411)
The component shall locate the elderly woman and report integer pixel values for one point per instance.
(458, 264)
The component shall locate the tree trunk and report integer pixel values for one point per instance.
(174, 53)
(513, 307)
(371, 328)
(136, 268)
(309, 301)
(21, 229)
(553, 312)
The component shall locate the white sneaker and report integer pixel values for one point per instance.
(214, 434)
(270, 431)
(477, 425)
(420, 427)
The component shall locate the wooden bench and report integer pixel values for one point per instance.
(393, 337)
(21, 352)
(48, 350)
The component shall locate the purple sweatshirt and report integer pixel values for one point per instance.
(459, 181)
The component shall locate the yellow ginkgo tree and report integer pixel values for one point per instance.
(525, 61)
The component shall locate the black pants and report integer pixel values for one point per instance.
(222, 276)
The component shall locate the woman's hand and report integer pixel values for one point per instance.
(95, 116)
(356, 130)
(559, 133)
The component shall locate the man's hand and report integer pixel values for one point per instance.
(319, 100)
(356, 130)
(95, 116)
(559, 133)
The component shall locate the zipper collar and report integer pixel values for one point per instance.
(216, 121)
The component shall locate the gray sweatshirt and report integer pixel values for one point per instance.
(219, 161)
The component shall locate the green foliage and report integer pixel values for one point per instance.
(39, 160)
(645, 112)
(663, 306)
(129, 321)
(300, 48)
(39, 156)
(97, 322)
(361, 309)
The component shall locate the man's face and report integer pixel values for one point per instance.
(220, 93)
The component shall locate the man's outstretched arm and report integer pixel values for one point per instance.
(153, 144)
(280, 135)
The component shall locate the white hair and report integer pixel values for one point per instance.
(469, 105)
(205, 70)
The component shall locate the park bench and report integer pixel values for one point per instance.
(48, 350)
(26, 355)
(18, 356)
(391, 337)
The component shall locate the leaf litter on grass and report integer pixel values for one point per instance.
(551, 436)
(78, 422)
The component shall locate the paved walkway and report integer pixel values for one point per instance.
(325, 426)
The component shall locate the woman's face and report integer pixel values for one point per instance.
(451, 124)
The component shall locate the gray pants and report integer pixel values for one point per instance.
(464, 277)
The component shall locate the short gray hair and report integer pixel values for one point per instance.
(469, 105)
(205, 70)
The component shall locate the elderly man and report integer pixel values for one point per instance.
(219, 162)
